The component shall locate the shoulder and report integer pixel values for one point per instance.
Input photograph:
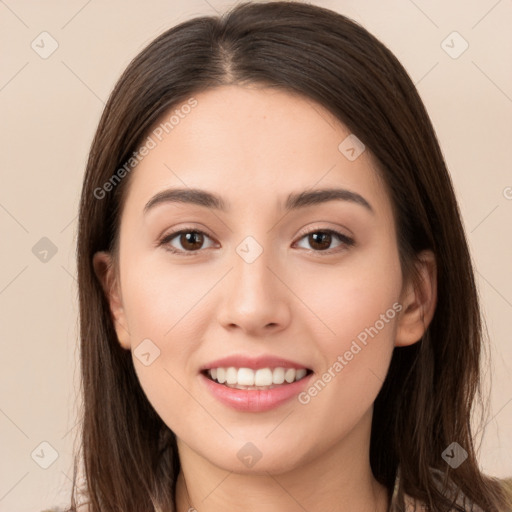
(415, 505)
(463, 501)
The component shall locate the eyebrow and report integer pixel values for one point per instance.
(294, 200)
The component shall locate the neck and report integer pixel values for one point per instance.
(339, 480)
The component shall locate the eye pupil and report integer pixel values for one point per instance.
(191, 240)
(321, 238)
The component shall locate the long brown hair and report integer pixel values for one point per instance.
(130, 459)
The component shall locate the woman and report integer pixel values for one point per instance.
(277, 303)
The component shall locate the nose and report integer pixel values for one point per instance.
(256, 299)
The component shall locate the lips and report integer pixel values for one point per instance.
(254, 384)
(241, 361)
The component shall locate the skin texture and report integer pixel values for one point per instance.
(253, 146)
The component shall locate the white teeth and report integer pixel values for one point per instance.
(231, 375)
(278, 376)
(247, 378)
(221, 375)
(300, 373)
(263, 377)
(289, 375)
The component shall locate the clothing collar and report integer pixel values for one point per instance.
(415, 505)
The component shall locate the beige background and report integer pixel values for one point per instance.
(49, 110)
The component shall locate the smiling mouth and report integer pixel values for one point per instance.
(259, 379)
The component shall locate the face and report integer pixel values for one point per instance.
(264, 281)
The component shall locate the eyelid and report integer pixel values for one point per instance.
(313, 229)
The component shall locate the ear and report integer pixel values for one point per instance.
(105, 272)
(418, 302)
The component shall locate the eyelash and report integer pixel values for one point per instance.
(344, 239)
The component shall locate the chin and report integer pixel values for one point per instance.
(255, 459)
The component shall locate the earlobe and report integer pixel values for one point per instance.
(419, 301)
(105, 272)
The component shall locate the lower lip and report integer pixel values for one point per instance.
(254, 400)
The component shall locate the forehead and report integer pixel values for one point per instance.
(253, 144)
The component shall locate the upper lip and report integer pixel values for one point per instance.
(242, 361)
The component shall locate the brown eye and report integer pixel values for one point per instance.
(321, 240)
(185, 241)
(191, 240)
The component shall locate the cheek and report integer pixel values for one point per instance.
(359, 295)
(160, 300)
(359, 313)
(162, 306)
(159, 306)
(165, 391)
(355, 360)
